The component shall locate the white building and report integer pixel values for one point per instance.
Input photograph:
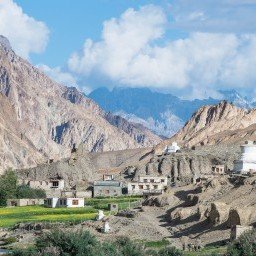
(171, 149)
(54, 202)
(247, 162)
(147, 185)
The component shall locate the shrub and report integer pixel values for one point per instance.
(128, 248)
(170, 251)
(59, 243)
(73, 244)
(10, 240)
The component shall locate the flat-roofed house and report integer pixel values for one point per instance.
(47, 184)
(148, 185)
(107, 188)
(68, 202)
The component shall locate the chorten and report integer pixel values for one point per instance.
(247, 162)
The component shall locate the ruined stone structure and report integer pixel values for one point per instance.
(24, 202)
(218, 169)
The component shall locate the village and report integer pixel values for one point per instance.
(154, 193)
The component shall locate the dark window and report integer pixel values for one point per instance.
(55, 184)
(74, 202)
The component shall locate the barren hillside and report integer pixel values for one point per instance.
(222, 123)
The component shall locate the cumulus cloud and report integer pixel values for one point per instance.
(25, 34)
(58, 75)
(63, 77)
(130, 54)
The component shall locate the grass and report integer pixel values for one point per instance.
(13, 215)
(208, 251)
(157, 244)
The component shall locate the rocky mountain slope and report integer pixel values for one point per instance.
(164, 114)
(41, 119)
(221, 123)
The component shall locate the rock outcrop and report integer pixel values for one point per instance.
(222, 123)
(41, 119)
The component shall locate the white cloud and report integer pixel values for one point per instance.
(129, 54)
(63, 77)
(25, 34)
(58, 75)
(219, 16)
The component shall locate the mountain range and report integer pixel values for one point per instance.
(41, 119)
(164, 114)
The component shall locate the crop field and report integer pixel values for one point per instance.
(13, 215)
(123, 202)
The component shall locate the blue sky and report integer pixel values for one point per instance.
(71, 22)
(191, 48)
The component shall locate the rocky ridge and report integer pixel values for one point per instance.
(223, 123)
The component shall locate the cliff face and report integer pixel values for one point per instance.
(222, 123)
(41, 119)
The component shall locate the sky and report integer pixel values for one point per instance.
(191, 48)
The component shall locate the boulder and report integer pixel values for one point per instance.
(181, 213)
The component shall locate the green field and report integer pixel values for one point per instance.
(123, 202)
(13, 215)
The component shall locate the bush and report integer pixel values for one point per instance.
(73, 244)
(245, 245)
(81, 243)
(170, 251)
(9, 240)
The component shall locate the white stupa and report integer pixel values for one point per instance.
(247, 162)
(100, 215)
(172, 148)
(106, 227)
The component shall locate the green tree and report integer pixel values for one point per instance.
(69, 244)
(24, 191)
(8, 184)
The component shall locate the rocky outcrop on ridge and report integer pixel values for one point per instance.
(223, 123)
